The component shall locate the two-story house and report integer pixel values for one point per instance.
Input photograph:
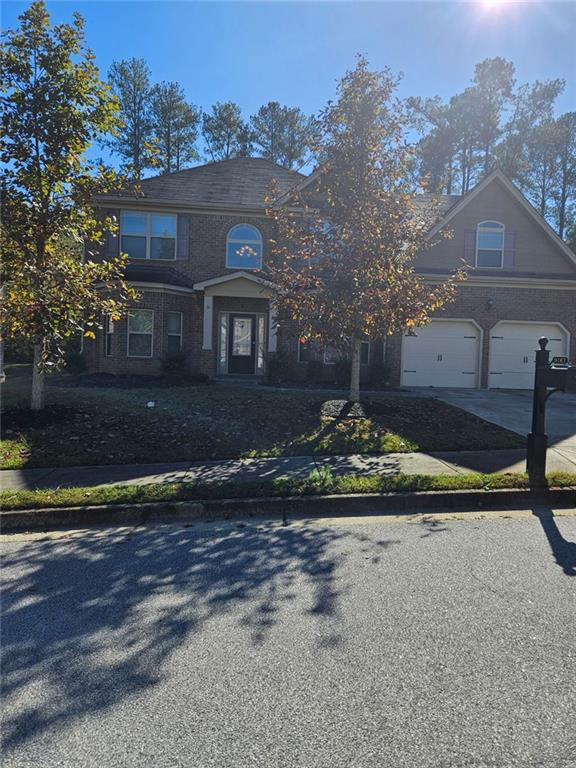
(198, 241)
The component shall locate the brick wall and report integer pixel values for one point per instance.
(535, 304)
(190, 305)
(206, 244)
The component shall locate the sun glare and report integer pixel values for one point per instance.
(494, 6)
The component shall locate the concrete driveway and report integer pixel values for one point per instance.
(513, 410)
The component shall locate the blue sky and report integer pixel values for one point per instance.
(295, 52)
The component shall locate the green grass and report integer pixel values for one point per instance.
(96, 425)
(375, 484)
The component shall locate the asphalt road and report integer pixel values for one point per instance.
(444, 644)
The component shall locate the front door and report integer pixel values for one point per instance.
(242, 344)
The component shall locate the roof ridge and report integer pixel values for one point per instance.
(225, 161)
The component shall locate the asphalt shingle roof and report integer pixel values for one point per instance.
(444, 202)
(144, 273)
(240, 182)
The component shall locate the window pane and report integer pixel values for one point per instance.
(223, 343)
(244, 255)
(303, 352)
(492, 224)
(133, 223)
(163, 225)
(489, 259)
(331, 355)
(135, 247)
(242, 336)
(140, 321)
(261, 332)
(162, 248)
(140, 345)
(489, 239)
(365, 353)
(244, 232)
(174, 346)
(174, 322)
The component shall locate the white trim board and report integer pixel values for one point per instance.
(201, 286)
(498, 281)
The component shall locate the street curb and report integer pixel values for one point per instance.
(279, 507)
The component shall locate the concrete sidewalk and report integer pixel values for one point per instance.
(242, 470)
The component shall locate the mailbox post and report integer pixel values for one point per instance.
(549, 377)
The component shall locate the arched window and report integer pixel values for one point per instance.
(489, 244)
(244, 247)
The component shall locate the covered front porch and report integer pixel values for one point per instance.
(239, 324)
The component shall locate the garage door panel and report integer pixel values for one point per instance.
(513, 348)
(442, 354)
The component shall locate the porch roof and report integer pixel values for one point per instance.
(237, 284)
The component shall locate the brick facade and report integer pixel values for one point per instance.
(488, 306)
(201, 256)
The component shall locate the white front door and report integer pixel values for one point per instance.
(445, 353)
(513, 348)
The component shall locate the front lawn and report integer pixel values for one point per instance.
(101, 425)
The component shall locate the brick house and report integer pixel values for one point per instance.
(198, 241)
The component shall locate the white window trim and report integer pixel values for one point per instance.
(243, 241)
(181, 334)
(108, 332)
(148, 235)
(501, 229)
(140, 333)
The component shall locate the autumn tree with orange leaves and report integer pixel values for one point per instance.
(343, 259)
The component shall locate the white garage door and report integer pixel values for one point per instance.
(444, 353)
(512, 352)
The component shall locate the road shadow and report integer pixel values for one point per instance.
(564, 551)
(93, 620)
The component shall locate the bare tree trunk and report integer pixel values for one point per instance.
(38, 389)
(355, 372)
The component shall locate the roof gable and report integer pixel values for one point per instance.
(497, 176)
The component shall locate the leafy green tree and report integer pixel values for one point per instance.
(130, 82)
(564, 191)
(54, 106)
(225, 133)
(174, 127)
(345, 271)
(282, 134)
(437, 148)
(532, 106)
(492, 90)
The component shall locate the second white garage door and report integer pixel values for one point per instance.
(445, 353)
(513, 348)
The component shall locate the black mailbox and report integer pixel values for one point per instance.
(562, 377)
(550, 376)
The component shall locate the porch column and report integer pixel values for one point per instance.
(272, 328)
(208, 320)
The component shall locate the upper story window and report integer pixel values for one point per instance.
(148, 235)
(489, 244)
(244, 247)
